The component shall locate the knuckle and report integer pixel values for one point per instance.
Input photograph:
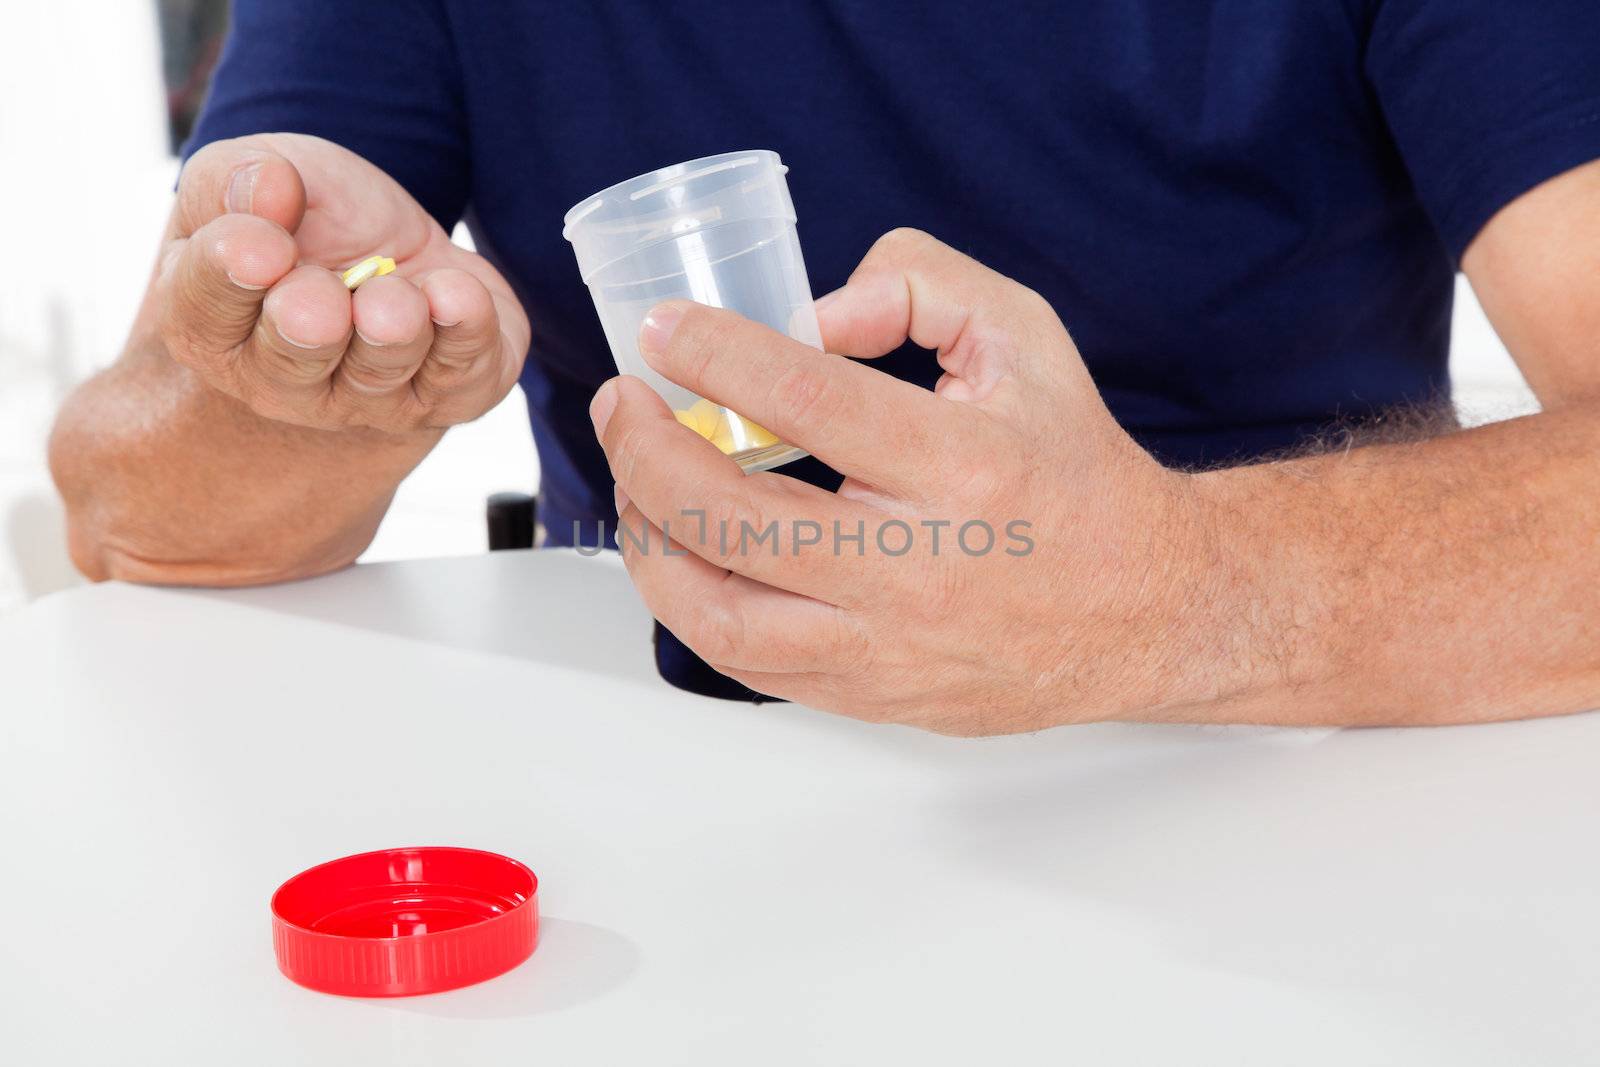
(454, 383)
(274, 404)
(716, 630)
(431, 393)
(176, 329)
(732, 518)
(628, 444)
(807, 396)
(460, 353)
(903, 242)
(978, 480)
(1031, 302)
(439, 411)
(397, 410)
(276, 361)
(414, 416)
(849, 649)
(908, 251)
(371, 376)
(388, 414)
(699, 342)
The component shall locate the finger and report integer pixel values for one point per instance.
(240, 176)
(298, 342)
(998, 342)
(392, 336)
(729, 620)
(892, 434)
(752, 525)
(910, 286)
(471, 365)
(214, 283)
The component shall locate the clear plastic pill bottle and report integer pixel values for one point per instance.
(718, 230)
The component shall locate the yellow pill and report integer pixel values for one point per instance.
(743, 435)
(722, 437)
(367, 269)
(689, 420)
(729, 432)
(757, 436)
(707, 417)
(701, 418)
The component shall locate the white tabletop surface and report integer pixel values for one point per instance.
(728, 884)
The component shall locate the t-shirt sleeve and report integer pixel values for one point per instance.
(1486, 99)
(381, 79)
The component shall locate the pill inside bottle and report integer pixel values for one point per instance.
(731, 432)
(719, 231)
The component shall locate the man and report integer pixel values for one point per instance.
(1247, 215)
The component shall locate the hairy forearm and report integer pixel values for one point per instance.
(1447, 580)
(168, 481)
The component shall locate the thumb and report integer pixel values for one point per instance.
(228, 241)
(240, 176)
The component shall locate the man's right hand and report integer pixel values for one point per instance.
(248, 295)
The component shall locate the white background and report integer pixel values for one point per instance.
(85, 180)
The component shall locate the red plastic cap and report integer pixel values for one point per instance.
(405, 921)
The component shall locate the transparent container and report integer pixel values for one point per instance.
(718, 230)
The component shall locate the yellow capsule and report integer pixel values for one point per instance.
(687, 417)
(729, 432)
(722, 437)
(701, 417)
(367, 269)
(757, 436)
(742, 435)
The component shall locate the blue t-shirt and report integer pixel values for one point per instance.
(1248, 213)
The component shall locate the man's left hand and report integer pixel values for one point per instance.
(1001, 557)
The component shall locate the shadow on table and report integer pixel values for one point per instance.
(575, 963)
(548, 606)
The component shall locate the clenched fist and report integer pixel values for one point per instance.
(249, 296)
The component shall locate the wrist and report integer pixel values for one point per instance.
(1247, 608)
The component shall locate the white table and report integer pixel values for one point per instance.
(727, 884)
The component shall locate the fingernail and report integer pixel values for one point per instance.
(291, 340)
(370, 343)
(245, 285)
(601, 407)
(242, 188)
(622, 500)
(657, 328)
